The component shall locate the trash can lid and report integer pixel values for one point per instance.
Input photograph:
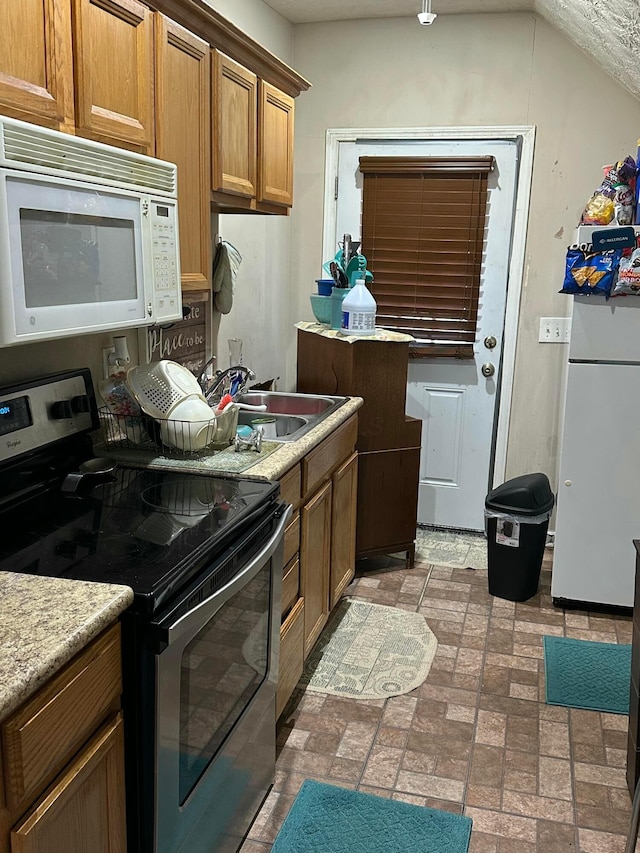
(527, 495)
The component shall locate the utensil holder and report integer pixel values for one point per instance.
(337, 295)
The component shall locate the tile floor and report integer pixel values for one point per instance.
(477, 736)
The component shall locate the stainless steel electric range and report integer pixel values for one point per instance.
(203, 556)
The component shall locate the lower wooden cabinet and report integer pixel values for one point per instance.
(343, 528)
(291, 654)
(320, 543)
(315, 548)
(62, 755)
(85, 809)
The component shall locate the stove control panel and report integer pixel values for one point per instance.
(38, 412)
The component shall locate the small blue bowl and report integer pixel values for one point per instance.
(321, 307)
(324, 286)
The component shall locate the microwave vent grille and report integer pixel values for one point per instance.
(82, 159)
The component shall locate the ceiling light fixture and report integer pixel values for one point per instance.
(426, 17)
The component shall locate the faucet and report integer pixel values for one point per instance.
(232, 381)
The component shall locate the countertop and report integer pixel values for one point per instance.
(269, 467)
(45, 623)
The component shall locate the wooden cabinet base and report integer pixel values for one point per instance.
(387, 501)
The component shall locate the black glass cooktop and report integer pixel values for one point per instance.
(150, 530)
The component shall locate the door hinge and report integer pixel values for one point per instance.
(335, 191)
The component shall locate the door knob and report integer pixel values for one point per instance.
(488, 369)
(490, 342)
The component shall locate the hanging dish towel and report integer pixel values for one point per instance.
(225, 269)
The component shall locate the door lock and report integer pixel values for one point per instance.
(488, 369)
(490, 342)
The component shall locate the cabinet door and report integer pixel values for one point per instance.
(183, 115)
(113, 54)
(234, 134)
(85, 808)
(36, 68)
(275, 146)
(343, 528)
(315, 561)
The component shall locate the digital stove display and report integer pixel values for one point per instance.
(14, 415)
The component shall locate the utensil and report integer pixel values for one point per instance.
(346, 250)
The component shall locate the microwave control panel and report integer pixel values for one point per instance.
(166, 273)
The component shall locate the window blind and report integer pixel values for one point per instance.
(423, 223)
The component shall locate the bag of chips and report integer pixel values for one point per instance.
(628, 283)
(588, 272)
(613, 200)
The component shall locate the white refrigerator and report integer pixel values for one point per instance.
(598, 502)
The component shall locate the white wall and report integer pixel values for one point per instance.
(509, 69)
(262, 314)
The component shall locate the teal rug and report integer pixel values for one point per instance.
(586, 674)
(327, 819)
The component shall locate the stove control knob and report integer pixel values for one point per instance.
(61, 410)
(80, 404)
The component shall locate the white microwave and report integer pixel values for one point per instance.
(88, 236)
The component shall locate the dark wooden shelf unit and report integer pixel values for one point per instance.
(388, 440)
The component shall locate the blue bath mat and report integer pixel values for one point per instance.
(327, 819)
(585, 674)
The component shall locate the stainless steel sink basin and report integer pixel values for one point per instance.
(282, 403)
(295, 414)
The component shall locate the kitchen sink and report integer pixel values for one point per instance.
(295, 414)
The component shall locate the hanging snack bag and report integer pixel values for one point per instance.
(628, 283)
(613, 200)
(588, 272)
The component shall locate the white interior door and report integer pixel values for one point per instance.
(455, 401)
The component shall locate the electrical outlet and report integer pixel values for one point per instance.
(106, 365)
(554, 330)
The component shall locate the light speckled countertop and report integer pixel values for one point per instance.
(271, 467)
(46, 622)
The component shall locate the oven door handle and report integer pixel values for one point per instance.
(198, 615)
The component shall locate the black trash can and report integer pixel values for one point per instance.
(517, 517)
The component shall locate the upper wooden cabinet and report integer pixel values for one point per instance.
(252, 140)
(113, 60)
(182, 137)
(170, 78)
(275, 148)
(36, 76)
(235, 118)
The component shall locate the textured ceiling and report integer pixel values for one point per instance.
(608, 30)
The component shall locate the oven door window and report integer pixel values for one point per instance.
(222, 668)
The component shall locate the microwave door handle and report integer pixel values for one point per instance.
(199, 614)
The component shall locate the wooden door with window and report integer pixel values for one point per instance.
(452, 396)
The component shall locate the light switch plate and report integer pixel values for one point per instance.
(554, 330)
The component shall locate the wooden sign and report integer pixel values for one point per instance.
(186, 341)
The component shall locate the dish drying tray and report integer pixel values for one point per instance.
(142, 433)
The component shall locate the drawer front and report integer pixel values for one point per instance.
(291, 655)
(290, 584)
(291, 539)
(41, 737)
(290, 485)
(320, 462)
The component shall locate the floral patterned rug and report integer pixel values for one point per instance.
(370, 651)
(447, 548)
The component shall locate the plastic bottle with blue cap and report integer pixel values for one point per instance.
(359, 311)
